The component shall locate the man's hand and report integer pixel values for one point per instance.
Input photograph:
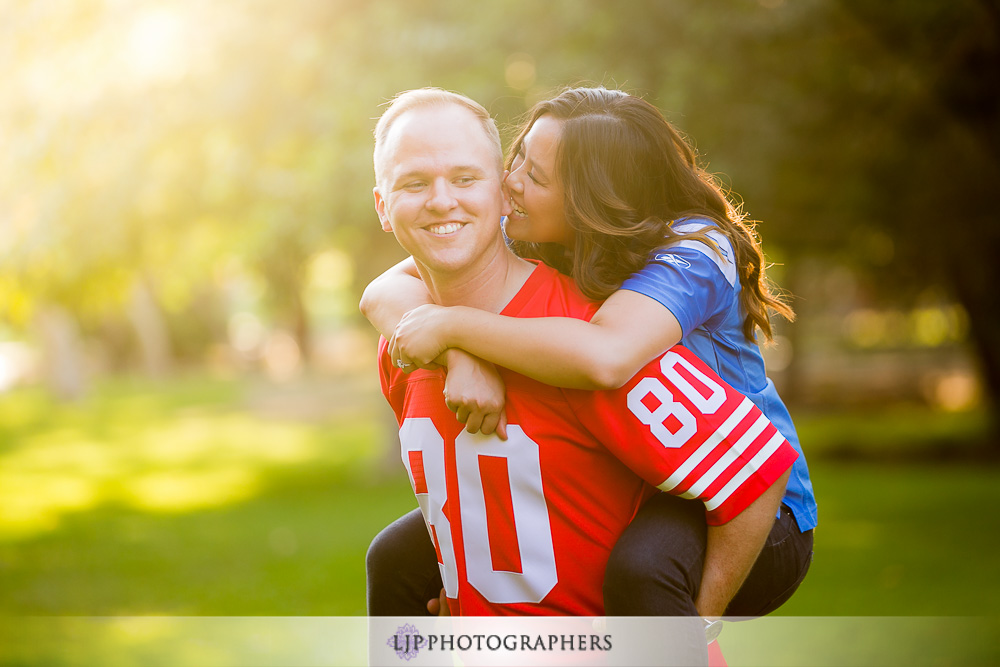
(474, 391)
(417, 339)
(439, 606)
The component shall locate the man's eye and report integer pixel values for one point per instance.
(465, 180)
(413, 186)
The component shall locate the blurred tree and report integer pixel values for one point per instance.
(940, 173)
(870, 132)
(153, 143)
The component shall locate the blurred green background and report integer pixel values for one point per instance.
(190, 421)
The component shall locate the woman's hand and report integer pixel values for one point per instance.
(474, 391)
(417, 340)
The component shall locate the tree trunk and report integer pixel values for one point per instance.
(975, 276)
(63, 363)
(150, 329)
(301, 324)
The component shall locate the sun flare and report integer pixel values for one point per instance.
(155, 45)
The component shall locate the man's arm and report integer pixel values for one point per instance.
(733, 549)
(475, 392)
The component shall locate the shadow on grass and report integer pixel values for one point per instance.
(177, 499)
(295, 549)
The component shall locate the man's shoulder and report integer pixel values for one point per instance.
(548, 293)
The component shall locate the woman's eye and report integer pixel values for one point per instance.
(517, 161)
(533, 179)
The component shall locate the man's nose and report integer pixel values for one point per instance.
(441, 196)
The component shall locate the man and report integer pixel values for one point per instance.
(525, 526)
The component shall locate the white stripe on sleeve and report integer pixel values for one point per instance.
(752, 466)
(706, 448)
(726, 459)
(726, 263)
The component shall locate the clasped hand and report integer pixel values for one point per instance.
(416, 340)
(473, 388)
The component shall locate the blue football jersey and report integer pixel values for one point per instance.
(700, 287)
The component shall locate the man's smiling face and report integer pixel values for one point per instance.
(439, 188)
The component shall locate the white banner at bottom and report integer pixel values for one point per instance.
(286, 641)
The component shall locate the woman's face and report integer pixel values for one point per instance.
(535, 189)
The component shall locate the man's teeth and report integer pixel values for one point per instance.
(446, 228)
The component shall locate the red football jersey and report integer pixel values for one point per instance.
(526, 526)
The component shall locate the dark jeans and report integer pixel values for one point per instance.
(654, 569)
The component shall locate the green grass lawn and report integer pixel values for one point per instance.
(181, 500)
(295, 549)
(903, 540)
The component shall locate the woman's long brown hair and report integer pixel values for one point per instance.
(628, 176)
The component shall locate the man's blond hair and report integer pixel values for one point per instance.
(430, 97)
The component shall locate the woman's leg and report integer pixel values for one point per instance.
(402, 569)
(655, 568)
(780, 568)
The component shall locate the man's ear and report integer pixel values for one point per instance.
(506, 208)
(380, 208)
